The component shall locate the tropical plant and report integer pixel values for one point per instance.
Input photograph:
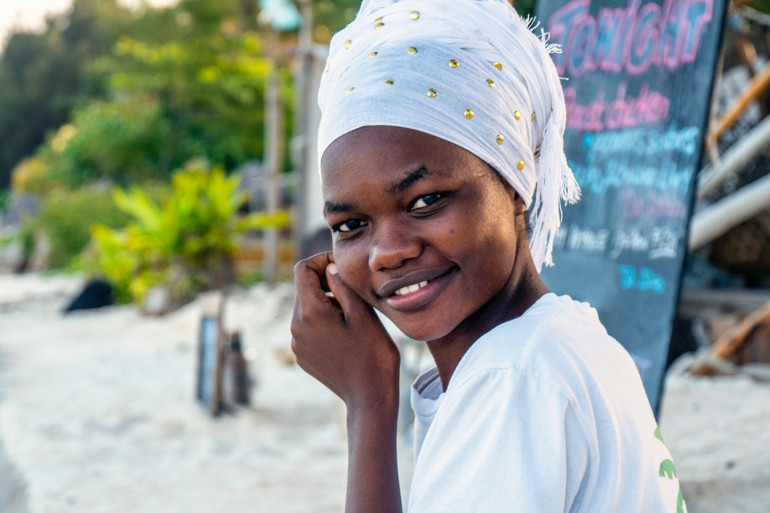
(184, 245)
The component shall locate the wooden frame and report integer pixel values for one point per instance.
(210, 355)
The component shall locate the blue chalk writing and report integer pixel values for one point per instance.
(617, 159)
(640, 141)
(664, 176)
(643, 279)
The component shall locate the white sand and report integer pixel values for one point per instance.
(97, 415)
(718, 430)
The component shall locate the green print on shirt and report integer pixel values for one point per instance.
(668, 471)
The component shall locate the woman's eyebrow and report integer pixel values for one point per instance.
(407, 181)
(410, 178)
(331, 208)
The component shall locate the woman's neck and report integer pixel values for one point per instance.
(521, 291)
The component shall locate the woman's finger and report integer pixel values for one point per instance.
(309, 275)
(347, 298)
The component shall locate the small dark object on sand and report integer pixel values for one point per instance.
(95, 294)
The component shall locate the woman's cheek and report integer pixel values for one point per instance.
(352, 268)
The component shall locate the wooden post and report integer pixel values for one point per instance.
(273, 153)
(303, 119)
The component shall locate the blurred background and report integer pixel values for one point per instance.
(158, 171)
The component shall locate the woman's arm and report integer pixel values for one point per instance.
(372, 465)
(341, 342)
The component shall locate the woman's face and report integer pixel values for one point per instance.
(423, 230)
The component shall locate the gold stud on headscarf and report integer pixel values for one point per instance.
(348, 43)
(490, 82)
(500, 139)
(379, 24)
(498, 65)
(414, 15)
(350, 90)
(372, 54)
(469, 113)
(453, 63)
(388, 82)
(432, 93)
(533, 116)
(520, 165)
(517, 115)
(411, 50)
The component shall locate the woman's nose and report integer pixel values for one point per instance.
(393, 245)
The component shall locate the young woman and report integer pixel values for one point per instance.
(442, 128)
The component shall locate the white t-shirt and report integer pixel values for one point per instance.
(545, 413)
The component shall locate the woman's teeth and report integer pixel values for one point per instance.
(411, 288)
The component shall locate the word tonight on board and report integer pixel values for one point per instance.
(629, 39)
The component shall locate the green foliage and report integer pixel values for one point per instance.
(31, 176)
(119, 141)
(209, 88)
(26, 236)
(43, 76)
(760, 5)
(184, 244)
(525, 7)
(330, 16)
(66, 219)
(145, 90)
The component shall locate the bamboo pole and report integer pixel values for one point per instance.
(756, 87)
(731, 341)
(717, 219)
(736, 158)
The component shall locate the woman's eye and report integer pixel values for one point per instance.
(349, 225)
(426, 201)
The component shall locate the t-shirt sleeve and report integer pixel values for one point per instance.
(502, 442)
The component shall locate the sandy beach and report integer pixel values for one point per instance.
(97, 415)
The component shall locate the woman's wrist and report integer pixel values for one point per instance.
(380, 407)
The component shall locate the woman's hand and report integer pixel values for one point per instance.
(340, 341)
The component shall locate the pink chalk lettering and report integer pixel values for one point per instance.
(562, 22)
(698, 14)
(635, 205)
(648, 107)
(646, 36)
(630, 39)
(586, 118)
(622, 112)
(609, 47)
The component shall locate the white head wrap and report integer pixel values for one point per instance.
(467, 71)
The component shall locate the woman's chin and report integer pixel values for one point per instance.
(425, 332)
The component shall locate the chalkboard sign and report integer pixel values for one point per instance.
(639, 76)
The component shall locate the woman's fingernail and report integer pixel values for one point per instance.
(332, 269)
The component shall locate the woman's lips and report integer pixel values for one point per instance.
(419, 294)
